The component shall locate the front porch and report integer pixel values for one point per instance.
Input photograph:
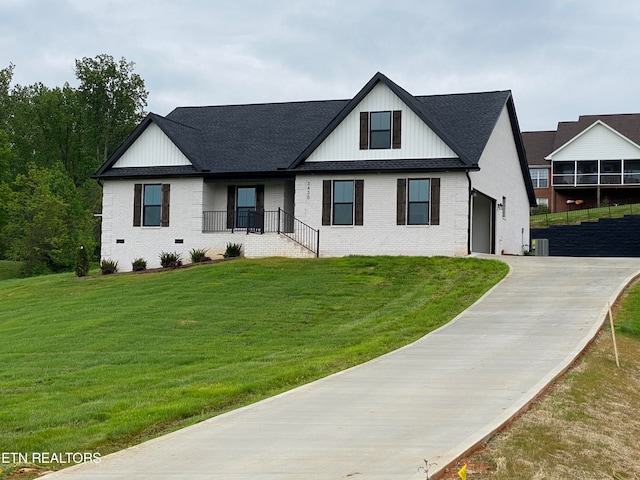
(276, 222)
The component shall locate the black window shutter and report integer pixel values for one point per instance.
(137, 204)
(401, 205)
(260, 207)
(364, 130)
(231, 206)
(326, 202)
(359, 194)
(164, 219)
(397, 129)
(435, 201)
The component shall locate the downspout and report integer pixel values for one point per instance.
(469, 214)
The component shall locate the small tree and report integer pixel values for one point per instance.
(82, 264)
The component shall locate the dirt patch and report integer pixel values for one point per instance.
(187, 322)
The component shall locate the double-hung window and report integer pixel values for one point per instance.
(418, 201)
(380, 130)
(151, 205)
(539, 177)
(342, 202)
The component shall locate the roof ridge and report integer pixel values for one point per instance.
(155, 117)
(257, 104)
(460, 94)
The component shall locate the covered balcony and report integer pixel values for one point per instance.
(589, 173)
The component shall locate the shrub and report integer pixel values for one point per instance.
(540, 210)
(108, 266)
(82, 262)
(233, 250)
(170, 259)
(199, 255)
(139, 264)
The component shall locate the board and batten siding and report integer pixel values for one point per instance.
(598, 142)
(152, 149)
(418, 140)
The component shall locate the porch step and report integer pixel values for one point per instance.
(274, 245)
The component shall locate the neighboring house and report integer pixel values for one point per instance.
(537, 146)
(384, 173)
(589, 163)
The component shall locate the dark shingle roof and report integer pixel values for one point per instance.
(148, 172)
(269, 138)
(259, 137)
(626, 124)
(538, 145)
(468, 118)
(402, 165)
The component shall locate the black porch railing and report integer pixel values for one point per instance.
(277, 221)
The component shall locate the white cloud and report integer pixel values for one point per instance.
(561, 58)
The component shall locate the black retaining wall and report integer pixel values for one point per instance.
(608, 237)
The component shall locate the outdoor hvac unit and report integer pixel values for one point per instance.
(541, 247)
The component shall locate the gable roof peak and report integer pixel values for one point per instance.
(412, 102)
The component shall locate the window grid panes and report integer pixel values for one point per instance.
(596, 172)
(539, 177)
(152, 206)
(418, 204)
(246, 203)
(380, 132)
(631, 172)
(343, 202)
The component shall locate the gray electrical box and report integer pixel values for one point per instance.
(541, 247)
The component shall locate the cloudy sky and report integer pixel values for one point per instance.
(561, 58)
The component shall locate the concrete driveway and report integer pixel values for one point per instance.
(433, 399)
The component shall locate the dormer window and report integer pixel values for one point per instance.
(380, 130)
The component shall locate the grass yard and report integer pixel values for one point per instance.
(9, 269)
(98, 364)
(573, 217)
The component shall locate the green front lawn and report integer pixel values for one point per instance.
(9, 269)
(98, 364)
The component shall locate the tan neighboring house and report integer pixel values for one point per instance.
(592, 162)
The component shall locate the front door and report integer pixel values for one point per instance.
(245, 207)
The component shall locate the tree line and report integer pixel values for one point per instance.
(51, 141)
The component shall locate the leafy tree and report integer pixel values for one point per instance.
(46, 129)
(7, 157)
(45, 222)
(4, 199)
(114, 98)
(6, 75)
(51, 141)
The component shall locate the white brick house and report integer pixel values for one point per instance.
(384, 173)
